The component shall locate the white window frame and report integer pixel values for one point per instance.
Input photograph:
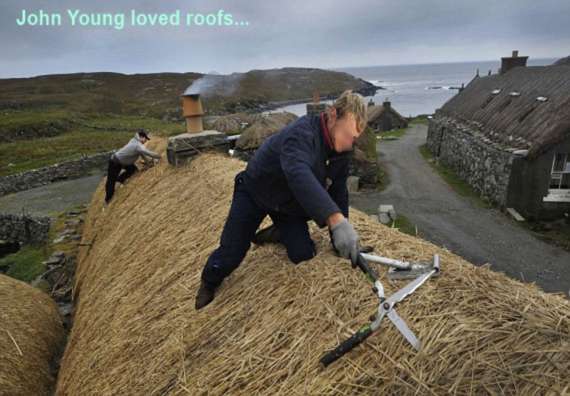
(558, 194)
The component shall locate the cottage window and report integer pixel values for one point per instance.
(559, 188)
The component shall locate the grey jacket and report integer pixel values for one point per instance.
(132, 150)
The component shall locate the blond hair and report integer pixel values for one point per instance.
(350, 102)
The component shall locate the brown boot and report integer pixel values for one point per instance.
(205, 295)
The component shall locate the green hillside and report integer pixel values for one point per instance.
(158, 95)
(48, 119)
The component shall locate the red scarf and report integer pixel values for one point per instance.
(326, 133)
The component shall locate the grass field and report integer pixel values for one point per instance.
(25, 264)
(394, 133)
(53, 118)
(86, 134)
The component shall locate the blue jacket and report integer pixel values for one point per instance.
(289, 172)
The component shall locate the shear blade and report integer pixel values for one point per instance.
(409, 288)
(414, 272)
(404, 329)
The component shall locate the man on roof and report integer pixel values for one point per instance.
(297, 174)
(124, 160)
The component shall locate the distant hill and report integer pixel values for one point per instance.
(158, 94)
(54, 118)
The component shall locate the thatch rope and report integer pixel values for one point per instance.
(136, 330)
(31, 336)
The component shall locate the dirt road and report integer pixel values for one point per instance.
(447, 219)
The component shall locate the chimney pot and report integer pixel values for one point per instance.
(316, 97)
(193, 111)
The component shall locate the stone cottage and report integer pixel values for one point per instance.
(385, 117)
(508, 136)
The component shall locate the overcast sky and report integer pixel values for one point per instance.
(309, 33)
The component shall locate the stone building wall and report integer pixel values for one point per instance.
(485, 165)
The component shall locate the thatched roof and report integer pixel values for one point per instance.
(376, 111)
(262, 127)
(230, 123)
(136, 330)
(31, 336)
(520, 122)
(563, 61)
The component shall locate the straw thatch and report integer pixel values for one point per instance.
(31, 336)
(230, 123)
(262, 127)
(136, 330)
(385, 118)
(563, 61)
(517, 121)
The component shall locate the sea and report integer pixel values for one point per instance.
(419, 89)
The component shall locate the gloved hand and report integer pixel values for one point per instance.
(345, 240)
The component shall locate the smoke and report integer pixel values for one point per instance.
(212, 84)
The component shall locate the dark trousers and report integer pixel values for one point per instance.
(242, 222)
(114, 175)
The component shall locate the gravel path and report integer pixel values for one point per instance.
(449, 220)
(52, 198)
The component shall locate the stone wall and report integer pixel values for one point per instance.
(66, 170)
(183, 148)
(315, 108)
(485, 165)
(23, 228)
(364, 168)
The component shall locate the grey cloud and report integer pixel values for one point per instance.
(315, 33)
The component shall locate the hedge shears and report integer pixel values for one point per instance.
(385, 309)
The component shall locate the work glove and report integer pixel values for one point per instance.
(345, 240)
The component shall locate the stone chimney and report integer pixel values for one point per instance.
(316, 107)
(387, 104)
(184, 147)
(515, 60)
(193, 112)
